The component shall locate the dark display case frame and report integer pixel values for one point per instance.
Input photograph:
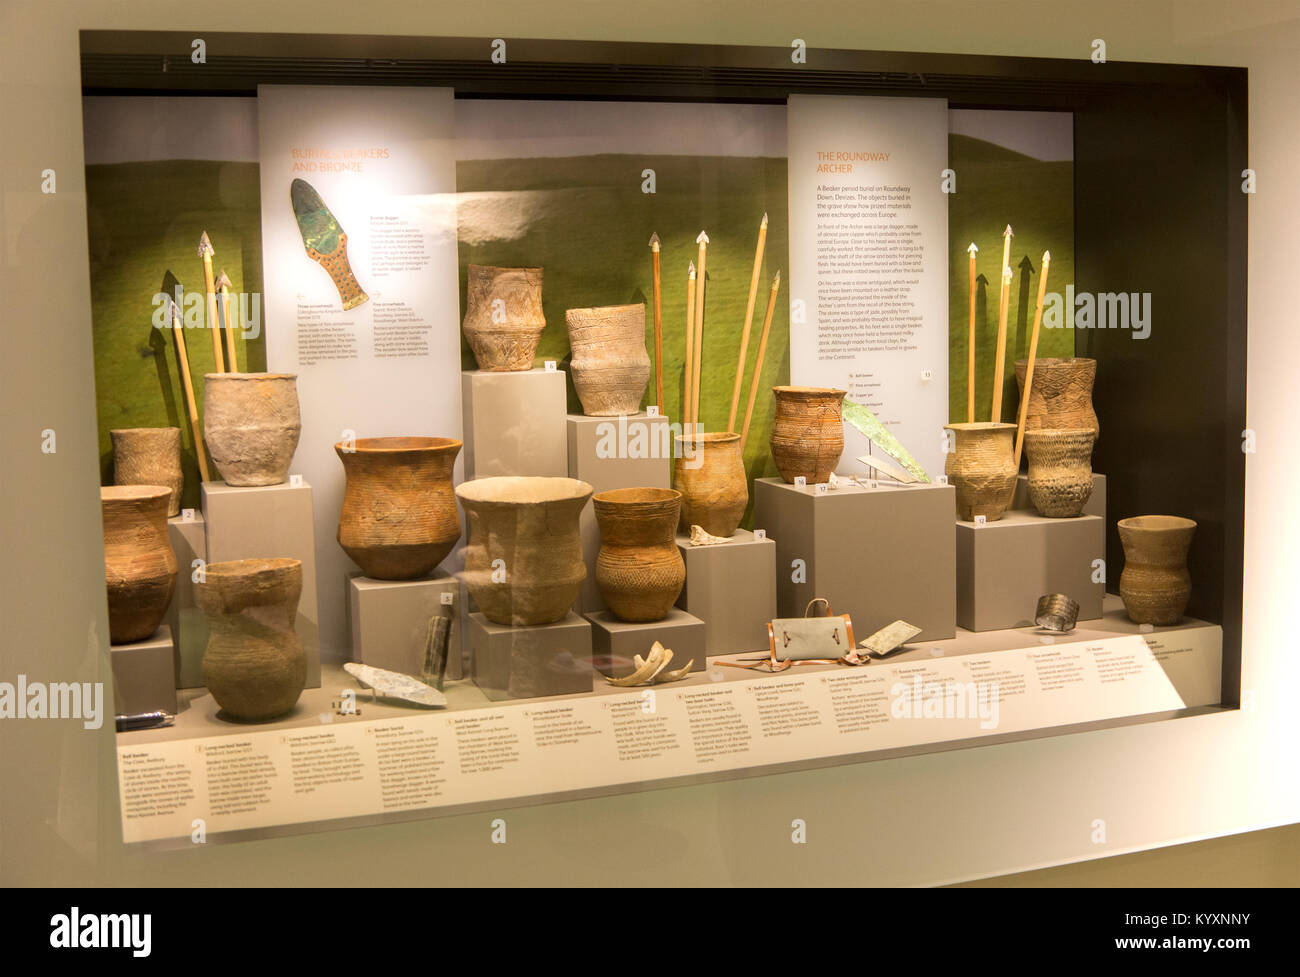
(1159, 155)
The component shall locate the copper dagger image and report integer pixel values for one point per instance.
(325, 241)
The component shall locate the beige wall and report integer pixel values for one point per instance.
(1259, 858)
(925, 820)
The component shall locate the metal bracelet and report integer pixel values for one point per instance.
(1056, 612)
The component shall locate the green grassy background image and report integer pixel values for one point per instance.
(995, 187)
(145, 219)
(589, 227)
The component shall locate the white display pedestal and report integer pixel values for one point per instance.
(877, 554)
(1003, 567)
(390, 622)
(514, 423)
(529, 662)
(633, 451)
(615, 642)
(269, 522)
(731, 587)
(188, 626)
(144, 675)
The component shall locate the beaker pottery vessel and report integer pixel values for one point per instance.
(1155, 585)
(639, 570)
(982, 466)
(503, 316)
(139, 563)
(399, 517)
(251, 424)
(807, 432)
(710, 473)
(254, 664)
(149, 456)
(1060, 470)
(610, 366)
(1061, 396)
(523, 563)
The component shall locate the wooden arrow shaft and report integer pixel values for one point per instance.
(217, 358)
(183, 362)
(970, 349)
(699, 334)
(699, 352)
(230, 332)
(1033, 355)
(690, 355)
(758, 363)
(749, 318)
(659, 334)
(1001, 351)
(1004, 300)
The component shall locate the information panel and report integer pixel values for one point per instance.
(359, 239)
(530, 750)
(869, 262)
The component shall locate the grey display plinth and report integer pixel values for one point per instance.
(633, 451)
(269, 522)
(1095, 506)
(1003, 568)
(615, 642)
(877, 555)
(513, 423)
(189, 627)
(144, 676)
(390, 622)
(731, 587)
(527, 662)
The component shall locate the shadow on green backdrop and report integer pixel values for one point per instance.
(996, 187)
(145, 219)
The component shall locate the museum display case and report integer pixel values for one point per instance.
(849, 423)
